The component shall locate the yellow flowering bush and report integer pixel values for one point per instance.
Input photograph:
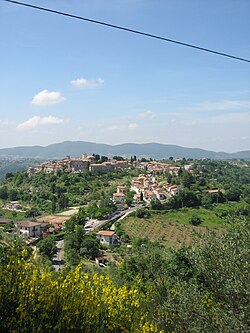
(34, 299)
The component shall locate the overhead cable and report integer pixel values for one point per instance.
(128, 30)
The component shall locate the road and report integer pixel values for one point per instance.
(90, 225)
(96, 224)
(58, 260)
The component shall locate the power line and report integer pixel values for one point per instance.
(128, 30)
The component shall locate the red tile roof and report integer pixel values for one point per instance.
(213, 191)
(106, 233)
(118, 195)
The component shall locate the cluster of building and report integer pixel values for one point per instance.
(77, 165)
(43, 226)
(14, 206)
(40, 228)
(157, 167)
(107, 166)
(147, 189)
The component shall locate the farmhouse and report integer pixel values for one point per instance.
(31, 229)
(119, 197)
(107, 237)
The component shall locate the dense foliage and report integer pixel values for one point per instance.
(205, 289)
(149, 290)
(147, 287)
(32, 299)
(51, 193)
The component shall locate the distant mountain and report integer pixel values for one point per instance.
(154, 150)
(15, 165)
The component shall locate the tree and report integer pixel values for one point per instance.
(103, 159)
(70, 224)
(156, 204)
(129, 197)
(147, 261)
(118, 158)
(90, 246)
(12, 194)
(63, 201)
(206, 200)
(53, 204)
(79, 245)
(10, 243)
(233, 194)
(81, 216)
(142, 213)
(97, 157)
(223, 263)
(217, 197)
(32, 212)
(185, 198)
(189, 198)
(9, 175)
(48, 247)
(3, 193)
(187, 179)
(202, 182)
(169, 178)
(195, 220)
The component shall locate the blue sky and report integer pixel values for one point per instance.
(64, 79)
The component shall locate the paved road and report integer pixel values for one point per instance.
(95, 224)
(90, 226)
(58, 260)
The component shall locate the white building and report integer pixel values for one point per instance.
(119, 197)
(107, 237)
(31, 229)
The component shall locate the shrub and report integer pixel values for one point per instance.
(195, 220)
(142, 213)
(33, 299)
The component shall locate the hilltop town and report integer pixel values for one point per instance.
(76, 165)
(105, 213)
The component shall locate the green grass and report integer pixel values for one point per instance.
(13, 215)
(208, 217)
(230, 207)
(172, 228)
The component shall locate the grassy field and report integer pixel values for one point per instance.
(230, 208)
(172, 228)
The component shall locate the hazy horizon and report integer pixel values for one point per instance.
(122, 143)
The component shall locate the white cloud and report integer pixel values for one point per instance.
(37, 120)
(85, 83)
(132, 126)
(221, 106)
(46, 97)
(147, 114)
(113, 128)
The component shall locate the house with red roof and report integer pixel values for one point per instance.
(107, 237)
(119, 197)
